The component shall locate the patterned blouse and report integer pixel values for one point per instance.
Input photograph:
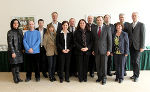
(116, 44)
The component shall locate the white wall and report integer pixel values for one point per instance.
(67, 9)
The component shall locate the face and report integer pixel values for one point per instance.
(121, 18)
(41, 23)
(31, 24)
(15, 24)
(107, 19)
(51, 29)
(82, 24)
(72, 22)
(54, 16)
(65, 26)
(99, 21)
(90, 19)
(119, 28)
(134, 17)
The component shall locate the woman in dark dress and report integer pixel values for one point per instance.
(83, 45)
(64, 42)
(15, 48)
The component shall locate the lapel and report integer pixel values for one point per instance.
(136, 26)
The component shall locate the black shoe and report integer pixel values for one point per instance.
(80, 80)
(37, 79)
(45, 75)
(132, 77)
(54, 78)
(20, 80)
(103, 81)
(67, 80)
(109, 74)
(51, 79)
(120, 80)
(27, 79)
(92, 75)
(98, 80)
(115, 73)
(116, 79)
(16, 81)
(125, 74)
(61, 80)
(135, 79)
(85, 80)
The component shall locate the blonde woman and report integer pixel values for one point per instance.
(51, 51)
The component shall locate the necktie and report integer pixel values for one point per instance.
(72, 29)
(99, 32)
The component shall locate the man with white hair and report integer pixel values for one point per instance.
(137, 44)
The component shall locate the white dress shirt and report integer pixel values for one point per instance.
(65, 38)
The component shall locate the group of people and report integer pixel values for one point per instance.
(62, 47)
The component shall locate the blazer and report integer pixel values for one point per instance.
(92, 26)
(79, 42)
(112, 28)
(104, 43)
(50, 45)
(137, 36)
(60, 42)
(59, 27)
(123, 43)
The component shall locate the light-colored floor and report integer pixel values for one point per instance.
(143, 85)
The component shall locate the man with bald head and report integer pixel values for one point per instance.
(137, 44)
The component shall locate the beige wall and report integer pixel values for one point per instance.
(67, 9)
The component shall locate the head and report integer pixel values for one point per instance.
(50, 28)
(31, 25)
(82, 24)
(54, 16)
(121, 17)
(119, 26)
(14, 24)
(135, 16)
(65, 25)
(41, 23)
(90, 19)
(99, 20)
(107, 18)
(72, 22)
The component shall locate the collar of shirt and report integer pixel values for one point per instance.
(98, 28)
(134, 23)
(63, 31)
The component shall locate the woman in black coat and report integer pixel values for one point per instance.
(15, 47)
(64, 42)
(83, 45)
(120, 50)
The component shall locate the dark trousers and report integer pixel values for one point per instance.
(15, 71)
(64, 65)
(33, 64)
(109, 63)
(43, 60)
(51, 65)
(135, 61)
(92, 64)
(101, 66)
(73, 64)
(82, 66)
(119, 60)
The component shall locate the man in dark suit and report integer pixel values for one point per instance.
(92, 64)
(102, 48)
(107, 23)
(137, 44)
(43, 60)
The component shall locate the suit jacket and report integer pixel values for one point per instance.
(137, 36)
(50, 45)
(43, 30)
(79, 42)
(123, 43)
(92, 26)
(59, 27)
(112, 28)
(104, 43)
(60, 42)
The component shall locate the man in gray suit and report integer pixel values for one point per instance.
(102, 48)
(137, 44)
